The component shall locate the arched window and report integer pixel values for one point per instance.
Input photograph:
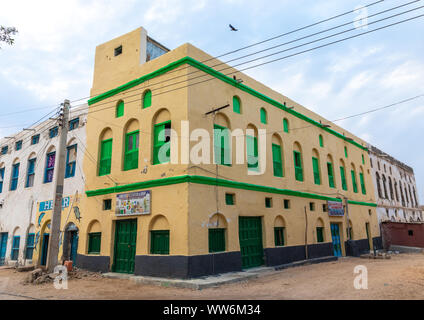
(343, 175)
(385, 187)
(94, 237)
(147, 99)
(377, 178)
(252, 148)
(286, 125)
(15, 175)
(162, 137)
(216, 233)
(330, 171)
(353, 175)
(320, 231)
(105, 152)
(279, 232)
(316, 167)
(277, 156)
(132, 137)
(362, 181)
(222, 140)
(119, 109)
(50, 162)
(321, 141)
(264, 119)
(159, 235)
(236, 105)
(391, 189)
(297, 160)
(30, 171)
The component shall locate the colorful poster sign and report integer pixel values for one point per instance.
(48, 205)
(335, 208)
(134, 203)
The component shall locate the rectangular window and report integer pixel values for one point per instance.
(131, 150)
(343, 177)
(73, 124)
(229, 199)
(118, 51)
(53, 132)
(312, 206)
(361, 180)
(252, 153)
(277, 161)
(159, 242)
(107, 204)
(268, 202)
(30, 246)
(18, 145)
(94, 242)
(1, 179)
(162, 143)
(315, 166)
(286, 204)
(298, 171)
(221, 142)
(35, 139)
(15, 247)
(50, 161)
(30, 173)
(324, 208)
(355, 186)
(105, 157)
(4, 149)
(279, 236)
(71, 161)
(320, 234)
(216, 240)
(15, 177)
(330, 174)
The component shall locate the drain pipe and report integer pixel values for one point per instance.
(306, 235)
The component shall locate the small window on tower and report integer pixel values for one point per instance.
(118, 51)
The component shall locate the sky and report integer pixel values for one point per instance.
(53, 57)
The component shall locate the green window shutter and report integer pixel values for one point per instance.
(216, 240)
(147, 99)
(315, 165)
(343, 177)
(298, 170)
(105, 157)
(345, 151)
(363, 159)
(94, 242)
(131, 150)
(162, 143)
(263, 116)
(361, 179)
(120, 109)
(286, 125)
(236, 105)
(229, 199)
(321, 141)
(252, 153)
(320, 234)
(355, 186)
(279, 236)
(222, 150)
(330, 174)
(277, 161)
(159, 242)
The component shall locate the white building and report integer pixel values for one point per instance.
(395, 188)
(27, 162)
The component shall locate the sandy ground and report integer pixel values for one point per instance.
(401, 277)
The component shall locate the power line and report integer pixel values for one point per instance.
(261, 64)
(269, 39)
(228, 67)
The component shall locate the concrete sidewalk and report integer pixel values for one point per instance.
(216, 280)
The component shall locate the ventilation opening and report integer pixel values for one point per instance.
(118, 51)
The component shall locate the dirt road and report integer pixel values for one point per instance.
(401, 277)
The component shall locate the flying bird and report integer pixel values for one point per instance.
(232, 28)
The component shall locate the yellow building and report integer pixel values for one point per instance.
(157, 214)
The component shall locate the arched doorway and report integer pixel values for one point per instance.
(70, 242)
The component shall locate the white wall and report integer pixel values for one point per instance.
(19, 207)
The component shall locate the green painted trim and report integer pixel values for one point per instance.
(368, 204)
(194, 63)
(213, 182)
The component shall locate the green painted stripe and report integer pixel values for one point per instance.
(213, 181)
(194, 63)
(369, 204)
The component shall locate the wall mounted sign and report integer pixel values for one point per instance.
(48, 205)
(335, 209)
(134, 203)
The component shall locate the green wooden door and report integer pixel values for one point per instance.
(125, 245)
(250, 234)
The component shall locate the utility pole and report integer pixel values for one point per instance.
(53, 249)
